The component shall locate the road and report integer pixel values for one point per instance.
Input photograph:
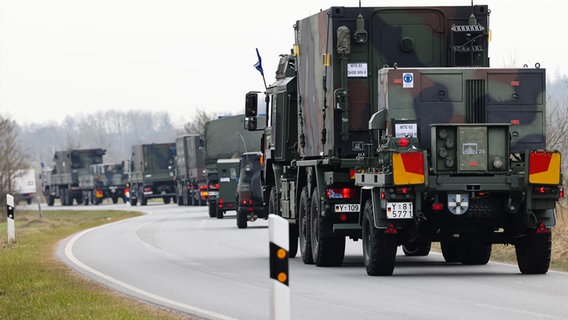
(180, 258)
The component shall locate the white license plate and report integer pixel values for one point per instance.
(347, 208)
(399, 210)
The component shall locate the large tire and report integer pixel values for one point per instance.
(304, 232)
(114, 199)
(167, 200)
(533, 253)
(475, 253)
(85, 198)
(241, 219)
(273, 202)
(417, 249)
(212, 210)
(133, 200)
(220, 214)
(143, 199)
(293, 240)
(379, 249)
(326, 251)
(50, 200)
(450, 251)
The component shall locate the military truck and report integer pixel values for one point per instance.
(62, 181)
(225, 138)
(152, 173)
(250, 201)
(105, 181)
(332, 90)
(190, 174)
(228, 174)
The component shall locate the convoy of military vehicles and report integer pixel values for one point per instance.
(385, 125)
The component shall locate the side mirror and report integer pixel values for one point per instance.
(251, 104)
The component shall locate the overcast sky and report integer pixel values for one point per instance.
(66, 57)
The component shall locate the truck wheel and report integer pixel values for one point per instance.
(143, 200)
(212, 209)
(85, 199)
(220, 214)
(379, 248)
(475, 253)
(241, 219)
(450, 251)
(533, 253)
(167, 200)
(29, 200)
(273, 202)
(417, 249)
(293, 240)
(133, 201)
(50, 200)
(304, 227)
(326, 251)
(114, 199)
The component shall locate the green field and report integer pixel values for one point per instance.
(35, 285)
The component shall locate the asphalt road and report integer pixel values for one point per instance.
(180, 258)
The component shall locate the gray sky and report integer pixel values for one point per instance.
(67, 57)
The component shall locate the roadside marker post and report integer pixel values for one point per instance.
(11, 228)
(279, 246)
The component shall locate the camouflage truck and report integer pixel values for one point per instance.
(152, 173)
(250, 201)
(105, 181)
(62, 181)
(190, 174)
(225, 138)
(334, 85)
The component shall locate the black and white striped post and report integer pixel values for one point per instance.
(11, 228)
(279, 246)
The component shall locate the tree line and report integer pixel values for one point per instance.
(34, 145)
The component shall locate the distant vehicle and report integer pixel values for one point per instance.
(152, 173)
(62, 182)
(25, 186)
(106, 180)
(250, 204)
(190, 173)
(225, 138)
(227, 170)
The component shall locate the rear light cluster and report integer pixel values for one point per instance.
(246, 202)
(397, 193)
(339, 193)
(549, 190)
(214, 186)
(222, 204)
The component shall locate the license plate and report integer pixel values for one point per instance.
(347, 207)
(399, 210)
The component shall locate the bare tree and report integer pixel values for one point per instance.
(198, 123)
(12, 159)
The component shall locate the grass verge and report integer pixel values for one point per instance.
(35, 285)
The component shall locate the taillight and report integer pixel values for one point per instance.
(214, 186)
(246, 202)
(437, 206)
(408, 168)
(339, 193)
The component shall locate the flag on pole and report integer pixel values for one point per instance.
(258, 65)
